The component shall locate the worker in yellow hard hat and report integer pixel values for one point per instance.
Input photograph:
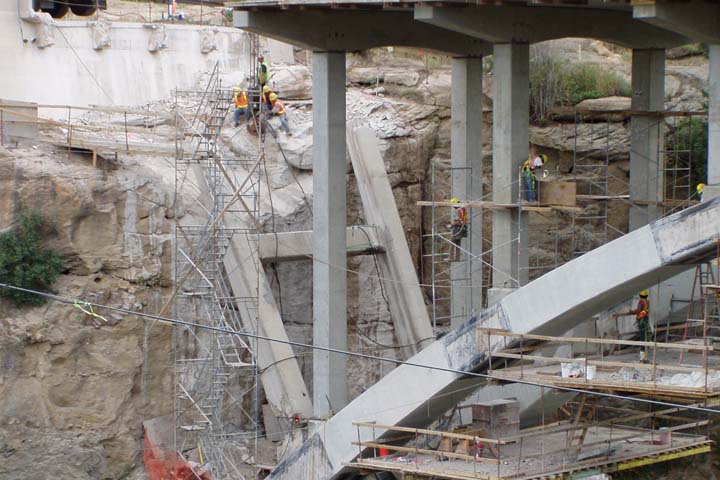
(700, 187)
(266, 103)
(642, 320)
(458, 228)
(241, 105)
(278, 109)
(529, 177)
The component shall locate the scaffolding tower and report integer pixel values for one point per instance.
(559, 233)
(216, 401)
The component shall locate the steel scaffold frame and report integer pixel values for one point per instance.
(591, 171)
(216, 398)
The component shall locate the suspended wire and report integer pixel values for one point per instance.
(460, 373)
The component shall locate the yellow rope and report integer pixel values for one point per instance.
(82, 305)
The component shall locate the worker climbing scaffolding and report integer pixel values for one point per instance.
(458, 229)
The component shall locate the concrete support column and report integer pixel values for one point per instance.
(646, 141)
(510, 150)
(466, 158)
(713, 169)
(329, 222)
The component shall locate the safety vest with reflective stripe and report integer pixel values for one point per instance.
(241, 100)
(458, 217)
(263, 77)
(280, 107)
(643, 308)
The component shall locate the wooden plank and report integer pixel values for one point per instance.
(467, 204)
(531, 207)
(646, 388)
(423, 431)
(603, 341)
(663, 458)
(606, 363)
(435, 453)
(425, 471)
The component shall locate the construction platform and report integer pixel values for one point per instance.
(687, 369)
(559, 450)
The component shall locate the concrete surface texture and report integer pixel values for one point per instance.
(597, 280)
(329, 221)
(466, 140)
(648, 86)
(510, 150)
(73, 72)
(405, 297)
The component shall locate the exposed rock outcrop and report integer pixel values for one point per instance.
(76, 388)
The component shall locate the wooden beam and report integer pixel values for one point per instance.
(436, 453)
(603, 341)
(423, 431)
(606, 363)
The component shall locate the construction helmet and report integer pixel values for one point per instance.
(454, 200)
(237, 89)
(266, 89)
(644, 293)
(544, 158)
(273, 97)
(700, 188)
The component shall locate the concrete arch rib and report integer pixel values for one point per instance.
(531, 24)
(340, 30)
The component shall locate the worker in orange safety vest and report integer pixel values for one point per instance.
(642, 321)
(278, 108)
(241, 105)
(458, 229)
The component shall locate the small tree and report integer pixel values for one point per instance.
(24, 263)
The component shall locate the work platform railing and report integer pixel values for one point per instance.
(549, 450)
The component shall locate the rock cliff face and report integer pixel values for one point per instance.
(74, 396)
(75, 389)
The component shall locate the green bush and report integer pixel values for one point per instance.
(554, 83)
(24, 263)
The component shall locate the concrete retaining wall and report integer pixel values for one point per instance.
(124, 73)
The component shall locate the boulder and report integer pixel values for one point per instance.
(292, 81)
(605, 104)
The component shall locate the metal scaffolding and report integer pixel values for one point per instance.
(558, 233)
(216, 401)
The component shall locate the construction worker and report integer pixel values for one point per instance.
(700, 187)
(529, 178)
(458, 229)
(266, 103)
(263, 72)
(278, 108)
(539, 161)
(241, 105)
(642, 320)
